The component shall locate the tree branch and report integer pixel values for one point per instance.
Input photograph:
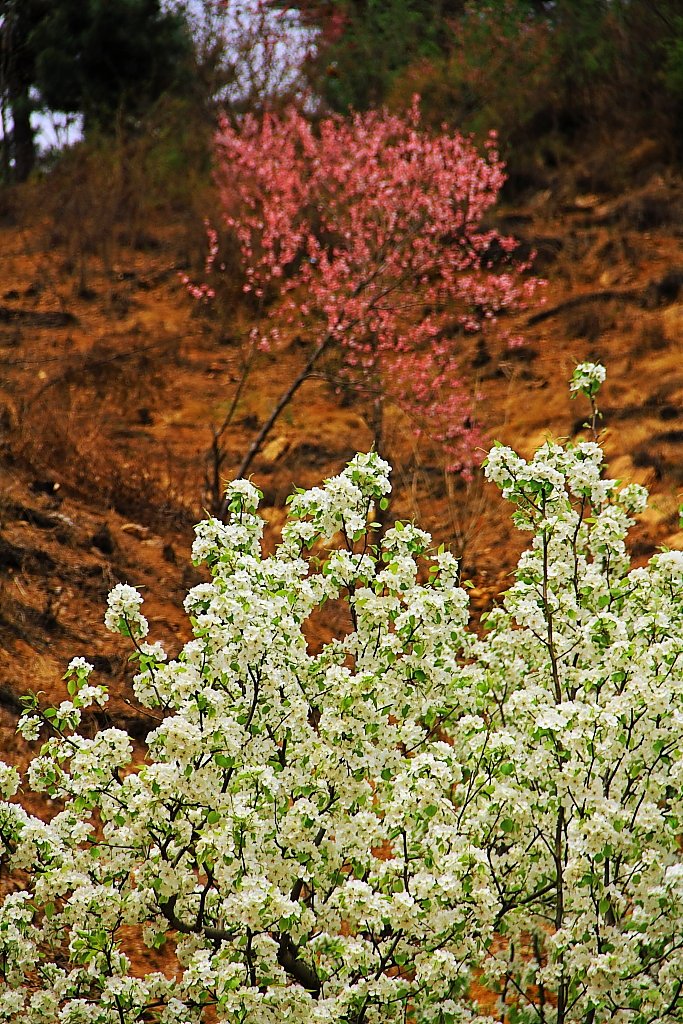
(296, 968)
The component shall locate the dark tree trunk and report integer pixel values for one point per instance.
(18, 73)
(23, 143)
(5, 147)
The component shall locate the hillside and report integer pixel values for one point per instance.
(112, 379)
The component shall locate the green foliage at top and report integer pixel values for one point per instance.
(380, 38)
(104, 57)
(529, 68)
(109, 60)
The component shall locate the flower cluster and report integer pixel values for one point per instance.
(357, 830)
(587, 378)
(123, 612)
(366, 232)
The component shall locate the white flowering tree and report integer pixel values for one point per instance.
(579, 679)
(359, 833)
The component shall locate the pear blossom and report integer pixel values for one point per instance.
(360, 829)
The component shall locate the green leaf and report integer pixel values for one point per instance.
(223, 761)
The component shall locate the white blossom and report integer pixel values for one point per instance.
(123, 612)
(359, 829)
(587, 378)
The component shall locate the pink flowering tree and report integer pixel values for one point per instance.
(366, 233)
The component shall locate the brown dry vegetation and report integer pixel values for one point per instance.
(111, 379)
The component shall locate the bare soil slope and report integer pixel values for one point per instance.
(111, 379)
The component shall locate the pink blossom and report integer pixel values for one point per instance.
(371, 229)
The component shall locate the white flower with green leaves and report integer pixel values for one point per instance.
(354, 832)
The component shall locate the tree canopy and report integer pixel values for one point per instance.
(413, 820)
(104, 59)
(576, 62)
